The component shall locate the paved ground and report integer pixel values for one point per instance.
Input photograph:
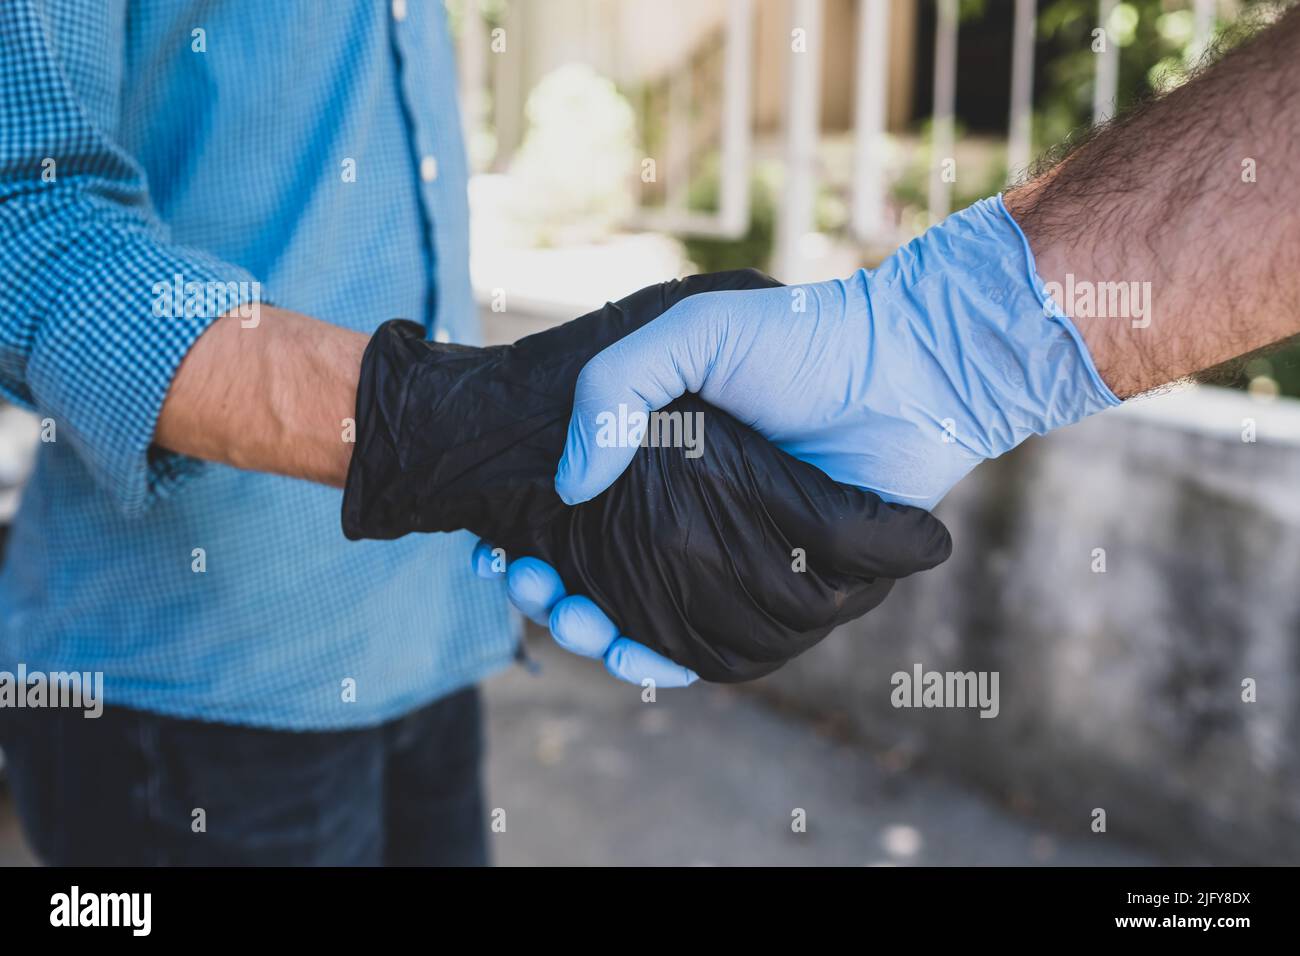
(588, 774)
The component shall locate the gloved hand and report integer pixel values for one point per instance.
(694, 556)
(900, 380)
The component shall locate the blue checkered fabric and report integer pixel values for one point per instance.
(313, 148)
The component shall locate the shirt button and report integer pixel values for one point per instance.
(399, 10)
(442, 335)
(429, 169)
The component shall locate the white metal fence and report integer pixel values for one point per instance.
(801, 132)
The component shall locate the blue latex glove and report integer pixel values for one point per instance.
(576, 623)
(898, 380)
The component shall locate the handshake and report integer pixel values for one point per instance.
(715, 439)
(727, 557)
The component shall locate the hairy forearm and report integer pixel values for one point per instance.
(273, 398)
(1190, 202)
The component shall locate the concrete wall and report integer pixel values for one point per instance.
(1119, 689)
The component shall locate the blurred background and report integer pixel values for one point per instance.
(1133, 579)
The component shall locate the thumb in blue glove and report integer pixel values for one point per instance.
(899, 380)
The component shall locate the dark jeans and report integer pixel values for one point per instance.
(124, 789)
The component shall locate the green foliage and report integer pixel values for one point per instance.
(1157, 52)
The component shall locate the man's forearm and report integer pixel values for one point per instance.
(1195, 195)
(271, 398)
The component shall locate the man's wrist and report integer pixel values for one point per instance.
(276, 397)
(1051, 253)
(316, 402)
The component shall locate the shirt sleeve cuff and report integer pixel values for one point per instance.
(109, 342)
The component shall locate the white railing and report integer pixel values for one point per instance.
(943, 122)
(796, 209)
(801, 130)
(731, 221)
(1106, 83)
(1020, 123)
(870, 87)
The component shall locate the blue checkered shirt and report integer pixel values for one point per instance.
(313, 148)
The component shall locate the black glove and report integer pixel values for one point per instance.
(695, 557)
